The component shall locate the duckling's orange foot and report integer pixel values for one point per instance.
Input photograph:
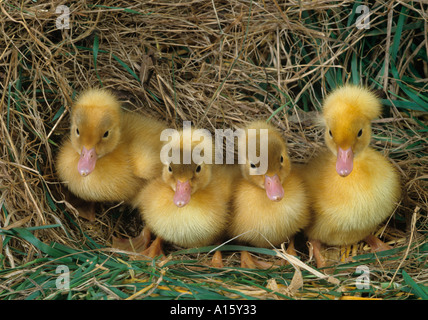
(87, 212)
(136, 244)
(376, 244)
(85, 209)
(291, 249)
(345, 254)
(319, 258)
(217, 260)
(251, 263)
(154, 250)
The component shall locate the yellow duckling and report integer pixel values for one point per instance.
(269, 207)
(110, 152)
(353, 188)
(189, 204)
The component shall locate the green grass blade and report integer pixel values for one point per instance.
(412, 95)
(417, 289)
(354, 70)
(398, 33)
(403, 104)
(58, 114)
(125, 66)
(95, 50)
(28, 236)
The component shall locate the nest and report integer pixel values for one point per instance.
(218, 64)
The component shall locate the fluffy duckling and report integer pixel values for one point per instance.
(269, 207)
(353, 188)
(109, 152)
(189, 204)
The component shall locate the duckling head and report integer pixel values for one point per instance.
(95, 127)
(347, 114)
(186, 178)
(276, 157)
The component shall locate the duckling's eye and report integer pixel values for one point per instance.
(106, 134)
(360, 133)
(169, 169)
(198, 169)
(252, 165)
(329, 132)
(282, 159)
(77, 132)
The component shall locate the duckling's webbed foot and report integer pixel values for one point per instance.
(155, 249)
(376, 244)
(217, 260)
(87, 211)
(137, 244)
(291, 248)
(319, 258)
(247, 261)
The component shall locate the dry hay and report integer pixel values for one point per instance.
(218, 64)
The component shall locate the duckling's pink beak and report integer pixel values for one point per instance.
(182, 193)
(87, 161)
(274, 189)
(344, 162)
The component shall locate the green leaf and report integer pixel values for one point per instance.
(226, 248)
(278, 110)
(95, 50)
(403, 104)
(28, 236)
(353, 13)
(125, 66)
(412, 95)
(58, 114)
(417, 289)
(398, 32)
(354, 70)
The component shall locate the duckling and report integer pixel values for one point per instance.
(189, 204)
(269, 207)
(109, 152)
(353, 188)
